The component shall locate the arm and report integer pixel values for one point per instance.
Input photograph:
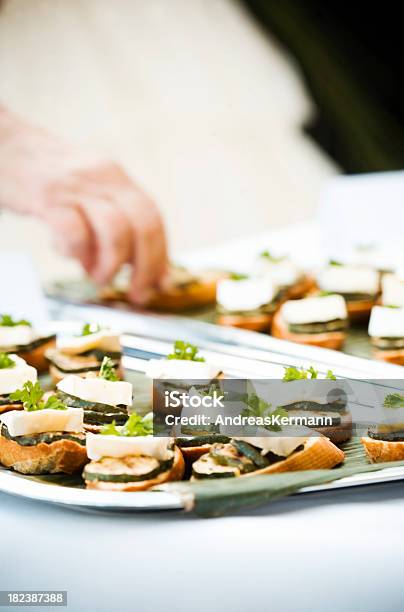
(97, 213)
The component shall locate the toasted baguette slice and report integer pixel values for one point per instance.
(331, 340)
(359, 310)
(258, 322)
(193, 453)
(8, 407)
(64, 456)
(338, 433)
(379, 451)
(300, 289)
(175, 473)
(396, 356)
(319, 453)
(195, 294)
(36, 357)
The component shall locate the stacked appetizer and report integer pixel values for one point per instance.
(359, 285)
(183, 363)
(325, 401)
(82, 355)
(247, 302)
(285, 274)
(393, 289)
(129, 458)
(19, 337)
(268, 454)
(183, 290)
(14, 373)
(46, 437)
(103, 397)
(385, 442)
(188, 369)
(386, 331)
(319, 320)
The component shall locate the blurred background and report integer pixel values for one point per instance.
(233, 115)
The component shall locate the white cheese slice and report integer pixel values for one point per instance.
(14, 378)
(104, 340)
(283, 273)
(181, 369)
(244, 295)
(392, 290)
(282, 446)
(393, 416)
(314, 309)
(349, 279)
(17, 335)
(284, 393)
(112, 393)
(23, 423)
(386, 322)
(99, 446)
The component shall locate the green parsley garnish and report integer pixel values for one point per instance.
(267, 255)
(334, 262)
(324, 293)
(7, 320)
(238, 276)
(394, 400)
(6, 361)
(107, 370)
(391, 306)
(134, 426)
(90, 328)
(31, 397)
(257, 407)
(185, 351)
(292, 373)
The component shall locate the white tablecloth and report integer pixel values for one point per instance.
(340, 550)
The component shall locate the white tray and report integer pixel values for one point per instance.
(240, 355)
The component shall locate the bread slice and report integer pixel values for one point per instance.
(193, 453)
(338, 433)
(193, 295)
(257, 322)
(379, 451)
(8, 407)
(394, 356)
(177, 297)
(318, 453)
(64, 456)
(300, 289)
(176, 472)
(331, 340)
(36, 357)
(359, 310)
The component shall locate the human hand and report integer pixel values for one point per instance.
(97, 213)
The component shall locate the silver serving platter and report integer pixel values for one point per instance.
(240, 353)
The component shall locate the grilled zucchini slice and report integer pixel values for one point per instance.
(222, 461)
(251, 453)
(227, 455)
(201, 441)
(75, 402)
(207, 467)
(44, 438)
(134, 468)
(386, 434)
(101, 418)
